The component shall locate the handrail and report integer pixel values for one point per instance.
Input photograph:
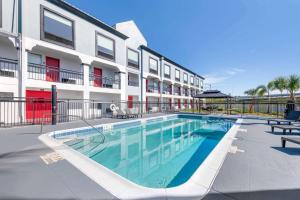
(80, 118)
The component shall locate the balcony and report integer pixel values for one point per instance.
(167, 89)
(186, 93)
(153, 89)
(177, 91)
(104, 82)
(8, 67)
(52, 74)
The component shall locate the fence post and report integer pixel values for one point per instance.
(54, 104)
(277, 110)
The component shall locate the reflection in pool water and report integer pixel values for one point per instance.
(159, 154)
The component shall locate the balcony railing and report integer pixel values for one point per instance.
(8, 67)
(52, 74)
(186, 93)
(133, 83)
(153, 89)
(167, 90)
(177, 92)
(104, 82)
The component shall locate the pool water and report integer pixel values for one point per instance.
(158, 154)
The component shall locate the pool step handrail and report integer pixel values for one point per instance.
(79, 118)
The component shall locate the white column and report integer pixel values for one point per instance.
(23, 72)
(22, 79)
(86, 91)
(123, 81)
(161, 82)
(144, 93)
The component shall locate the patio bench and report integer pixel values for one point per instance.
(285, 128)
(289, 139)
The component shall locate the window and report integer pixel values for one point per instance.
(185, 77)
(192, 80)
(6, 95)
(197, 81)
(201, 83)
(153, 66)
(132, 58)
(34, 59)
(177, 75)
(57, 29)
(0, 13)
(105, 47)
(133, 80)
(167, 71)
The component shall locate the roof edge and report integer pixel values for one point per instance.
(72, 9)
(170, 61)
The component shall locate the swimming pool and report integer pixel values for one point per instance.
(160, 153)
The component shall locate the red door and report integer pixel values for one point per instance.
(130, 103)
(185, 103)
(170, 103)
(98, 77)
(38, 106)
(179, 103)
(52, 69)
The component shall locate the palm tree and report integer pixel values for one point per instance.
(261, 90)
(270, 87)
(280, 84)
(252, 93)
(292, 85)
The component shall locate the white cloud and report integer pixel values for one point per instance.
(216, 79)
(234, 71)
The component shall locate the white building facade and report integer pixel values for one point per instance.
(50, 42)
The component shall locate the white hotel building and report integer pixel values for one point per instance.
(50, 42)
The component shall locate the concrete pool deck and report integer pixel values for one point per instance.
(261, 170)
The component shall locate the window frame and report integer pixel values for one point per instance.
(96, 45)
(177, 78)
(151, 70)
(197, 82)
(187, 77)
(138, 67)
(167, 75)
(35, 54)
(42, 27)
(192, 78)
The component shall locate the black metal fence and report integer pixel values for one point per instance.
(48, 73)
(25, 111)
(104, 82)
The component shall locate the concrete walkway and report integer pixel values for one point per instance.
(261, 170)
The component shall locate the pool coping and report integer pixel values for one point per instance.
(198, 184)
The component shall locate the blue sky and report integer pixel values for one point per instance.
(235, 44)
